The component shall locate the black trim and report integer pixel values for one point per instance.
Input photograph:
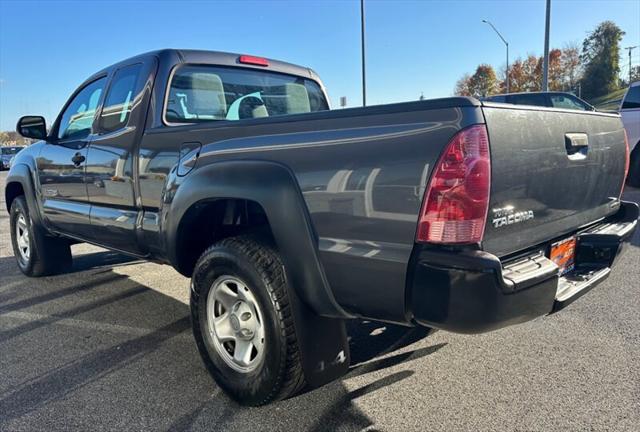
(274, 187)
(471, 291)
(20, 173)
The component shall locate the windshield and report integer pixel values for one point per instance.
(205, 93)
(10, 150)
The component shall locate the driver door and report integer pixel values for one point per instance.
(61, 164)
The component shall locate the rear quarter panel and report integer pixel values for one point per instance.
(362, 173)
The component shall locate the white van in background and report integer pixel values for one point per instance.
(630, 112)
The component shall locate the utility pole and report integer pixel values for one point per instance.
(507, 45)
(364, 77)
(545, 69)
(630, 48)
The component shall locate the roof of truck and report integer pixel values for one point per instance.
(216, 58)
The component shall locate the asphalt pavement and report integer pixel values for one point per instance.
(109, 347)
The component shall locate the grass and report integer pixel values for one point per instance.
(609, 102)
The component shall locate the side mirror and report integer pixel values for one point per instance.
(32, 127)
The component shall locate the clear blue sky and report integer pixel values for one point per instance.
(47, 48)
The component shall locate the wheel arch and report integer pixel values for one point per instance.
(12, 190)
(271, 187)
(213, 219)
(20, 181)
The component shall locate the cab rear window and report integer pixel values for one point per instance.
(208, 93)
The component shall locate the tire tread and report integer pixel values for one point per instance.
(266, 261)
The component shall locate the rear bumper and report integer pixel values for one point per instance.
(473, 291)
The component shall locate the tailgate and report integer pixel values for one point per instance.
(552, 172)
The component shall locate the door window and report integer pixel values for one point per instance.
(119, 99)
(78, 117)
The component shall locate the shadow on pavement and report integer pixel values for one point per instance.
(95, 350)
(105, 259)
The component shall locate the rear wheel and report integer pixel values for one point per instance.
(242, 321)
(36, 253)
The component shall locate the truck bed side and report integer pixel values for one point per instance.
(362, 173)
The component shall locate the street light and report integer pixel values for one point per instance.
(364, 77)
(507, 45)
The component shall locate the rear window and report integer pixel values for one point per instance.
(206, 93)
(562, 101)
(632, 99)
(500, 98)
(528, 99)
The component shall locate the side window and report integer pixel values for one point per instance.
(119, 99)
(632, 100)
(561, 101)
(77, 119)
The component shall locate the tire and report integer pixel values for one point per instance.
(633, 177)
(36, 253)
(274, 370)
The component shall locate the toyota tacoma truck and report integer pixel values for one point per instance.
(291, 218)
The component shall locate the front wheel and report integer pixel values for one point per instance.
(36, 253)
(242, 321)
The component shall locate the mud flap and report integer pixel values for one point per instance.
(324, 349)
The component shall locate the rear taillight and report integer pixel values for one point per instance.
(627, 160)
(455, 205)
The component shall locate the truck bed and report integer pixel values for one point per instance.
(363, 173)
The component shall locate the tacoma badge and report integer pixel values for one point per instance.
(508, 216)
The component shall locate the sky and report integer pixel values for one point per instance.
(414, 47)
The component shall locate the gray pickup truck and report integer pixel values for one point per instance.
(290, 218)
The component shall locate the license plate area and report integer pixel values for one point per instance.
(563, 254)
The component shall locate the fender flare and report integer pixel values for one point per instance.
(274, 187)
(22, 174)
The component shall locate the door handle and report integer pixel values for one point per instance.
(577, 145)
(77, 159)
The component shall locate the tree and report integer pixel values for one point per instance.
(462, 86)
(571, 65)
(564, 71)
(556, 73)
(13, 138)
(483, 82)
(532, 69)
(516, 77)
(600, 57)
(635, 74)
